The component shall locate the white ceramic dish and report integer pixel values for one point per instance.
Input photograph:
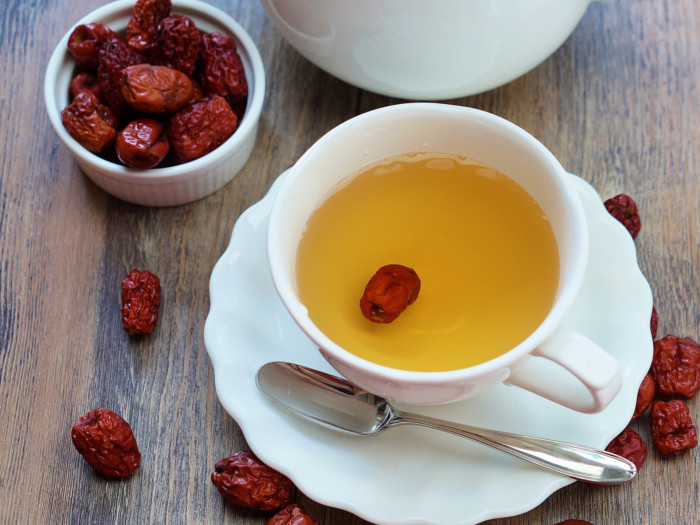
(168, 186)
(425, 50)
(412, 476)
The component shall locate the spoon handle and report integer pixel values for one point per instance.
(568, 459)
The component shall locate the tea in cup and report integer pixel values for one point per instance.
(487, 219)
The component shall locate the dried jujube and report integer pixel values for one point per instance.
(85, 41)
(201, 127)
(645, 395)
(292, 514)
(672, 428)
(244, 480)
(89, 122)
(155, 89)
(390, 290)
(625, 210)
(140, 301)
(676, 367)
(142, 28)
(178, 45)
(629, 445)
(222, 68)
(107, 443)
(142, 144)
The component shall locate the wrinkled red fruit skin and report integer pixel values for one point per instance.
(244, 480)
(107, 443)
(672, 428)
(89, 122)
(291, 515)
(629, 445)
(142, 28)
(178, 45)
(645, 395)
(140, 302)
(155, 89)
(142, 144)
(85, 41)
(222, 68)
(624, 209)
(676, 367)
(389, 292)
(201, 127)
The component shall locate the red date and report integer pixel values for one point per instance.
(155, 89)
(107, 443)
(629, 445)
(142, 144)
(142, 29)
(201, 127)
(178, 45)
(672, 428)
(654, 322)
(85, 41)
(390, 290)
(90, 122)
(244, 480)
(140, 302)
(676, 367)
(222, 68)
(291, 515)
(624, 209)
(645, 395)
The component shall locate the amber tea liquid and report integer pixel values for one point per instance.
(482, 247)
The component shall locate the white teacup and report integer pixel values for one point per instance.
(553, 362)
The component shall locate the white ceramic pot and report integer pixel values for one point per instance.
(426, 49)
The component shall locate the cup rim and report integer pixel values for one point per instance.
(286, 290)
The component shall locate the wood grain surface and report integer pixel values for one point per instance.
(618, 104)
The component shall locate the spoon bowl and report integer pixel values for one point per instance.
(335, 403)
(323, 398)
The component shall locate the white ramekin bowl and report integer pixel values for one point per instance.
(172, 185)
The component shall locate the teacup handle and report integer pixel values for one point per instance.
(594, 378)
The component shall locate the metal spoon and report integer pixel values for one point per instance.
(338, 404)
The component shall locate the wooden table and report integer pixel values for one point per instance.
(618, 104)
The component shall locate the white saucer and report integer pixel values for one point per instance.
(414, 475)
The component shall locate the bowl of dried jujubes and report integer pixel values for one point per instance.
(157, 100)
